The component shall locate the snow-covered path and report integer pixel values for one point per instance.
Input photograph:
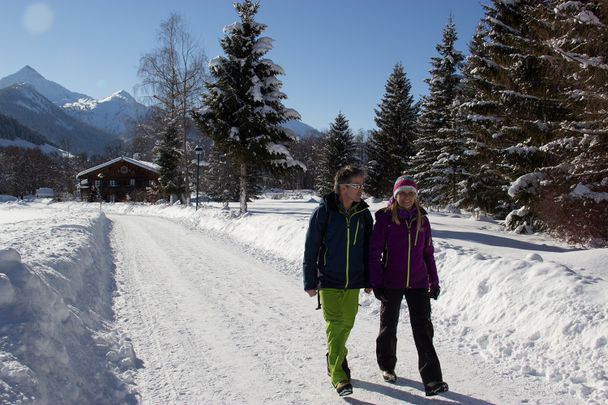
(212, 324)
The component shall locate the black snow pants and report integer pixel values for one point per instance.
(419, 306)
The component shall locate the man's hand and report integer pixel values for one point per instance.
(311, 293)
(367, 290)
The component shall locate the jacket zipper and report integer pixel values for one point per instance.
(347, 248)
(347, 218)
(409, 252)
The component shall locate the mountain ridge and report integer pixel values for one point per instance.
(116, 114)
(105, 120)
(23, 103)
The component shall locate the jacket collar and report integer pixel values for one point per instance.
(332, 202)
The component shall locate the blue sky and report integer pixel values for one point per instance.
(337, 54)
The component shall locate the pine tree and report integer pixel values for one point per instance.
(391, 146)
(338, 151)
(168, 157)
(243, 106)
(483, 187)
(533, 104)
(221, 179)
(584, 64)
(437, 166)
(305, 150)
(520, 107)
(569, 191)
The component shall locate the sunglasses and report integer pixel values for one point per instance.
(354, 185)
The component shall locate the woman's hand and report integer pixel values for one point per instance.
(379, 293)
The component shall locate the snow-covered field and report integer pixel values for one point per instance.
(162, 304)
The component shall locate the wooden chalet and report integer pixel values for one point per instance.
(120, 179)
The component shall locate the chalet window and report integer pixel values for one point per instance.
(114, 183)
(132, 182)
(97, 183)
(124, 169)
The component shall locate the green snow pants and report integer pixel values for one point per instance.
(339, 310)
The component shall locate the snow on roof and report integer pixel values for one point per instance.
(141, 163)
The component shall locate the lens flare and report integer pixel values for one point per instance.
(38, 18)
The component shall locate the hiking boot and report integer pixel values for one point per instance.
(344, 366)
(389, 376)
(434, 388)
(344, 388)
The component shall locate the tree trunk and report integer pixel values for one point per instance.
(243, 187)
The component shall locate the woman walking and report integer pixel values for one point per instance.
(402, 264)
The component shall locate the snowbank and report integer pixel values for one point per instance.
(516, 302)
(529, 316)
(57, 343)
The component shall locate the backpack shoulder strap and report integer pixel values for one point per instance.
(325, 224)
(323, 234)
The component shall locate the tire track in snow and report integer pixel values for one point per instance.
(161, 336)
(235, 312)
(230, 328)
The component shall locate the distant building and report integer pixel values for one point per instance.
(120, 179)
(45, 192)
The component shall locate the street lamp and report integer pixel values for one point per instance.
(100, 177)
(198, 151)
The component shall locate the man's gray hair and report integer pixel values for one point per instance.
(345, 175)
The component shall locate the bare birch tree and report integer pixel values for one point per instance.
(173, 78)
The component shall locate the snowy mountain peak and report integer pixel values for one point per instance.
(116, 113)
(122, 95)
(58, 94)
(28, 73)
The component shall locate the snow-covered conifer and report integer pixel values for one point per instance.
(168, 157)
(533, 106)
(571, 190)
(242, 109)
(479, 118)
(391, 145)
(338, 151)
(439, 146)
(221, 179)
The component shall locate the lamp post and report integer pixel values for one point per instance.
(100, 177)
(198, 151)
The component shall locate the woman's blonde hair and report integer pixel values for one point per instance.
(395, 216)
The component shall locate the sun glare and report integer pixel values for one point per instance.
(38, 18)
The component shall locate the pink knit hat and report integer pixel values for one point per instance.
(405, 183)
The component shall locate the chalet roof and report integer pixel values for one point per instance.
(153, 167)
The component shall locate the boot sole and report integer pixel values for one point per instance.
(438, 390)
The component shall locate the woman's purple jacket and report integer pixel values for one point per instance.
(400, 257)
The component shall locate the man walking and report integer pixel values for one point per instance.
(335, 264)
